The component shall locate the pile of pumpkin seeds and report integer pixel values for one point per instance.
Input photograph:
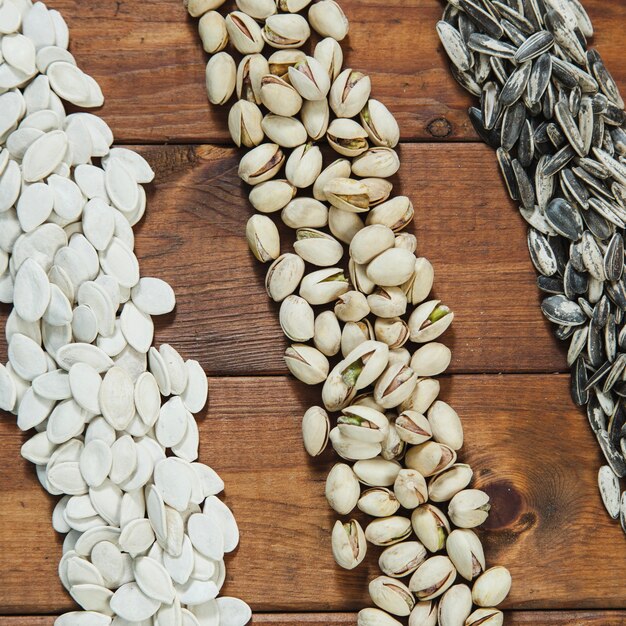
(349, 319)
(145, 534)
(551, 109)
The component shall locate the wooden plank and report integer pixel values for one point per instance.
(148, 59)
(193, 236)
(529, 447)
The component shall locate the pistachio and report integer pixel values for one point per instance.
(382, 162)
(485, 617)
(336, 392)
(432, 578)
(446, 425)
(351, 307)
(380, 124)
(324, 286)
(358, 274)
(419, 285)
(431, 359)
(378, 189)
(492, 587)
(297, 319)
(430, 458)
(407, 241)
(424, 394)
(363, 423)
(310, 79)
(342, 489)
(354, 334)
(387, 531)
(263, 238)
(317, 247)
(413, 427)
(221, 75)
(329, 54)
(327, 333)
(283, 276)
(391, 595)
(315, 430)
(429, 320)
(261, 163)
(281, 60)
(347, 194)
(366, 399)
(402, 559)
(364, 364)
(305, 213)
(199, 7)
(328, 19)
(251, 70)
(271, 196)
(258, 9)
(287, 132)
(212, 31)
(279, 96)
(466, 552)
(306, 363)
(244, 124)
(286, 30)
(455, 606)
(377, 472)
(315, 116)
(349, 544)
(469, 508)
(292, 6)
(393, 446)
(391, 268)
(410, 488)
(399, 355)
(347, 137)
(447, 484)
(368, 243)
(337, 169)
(424, 614)
(393, 331)
(244, 32)
(395, 385)
(396, 213)
(344, 224)
(353, 449)
(376, 617)
(349, 93)
(378, 502)
(304, 165)
(431, 527)
(387, 302)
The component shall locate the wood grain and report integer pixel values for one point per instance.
(150, 64)
(530, 449)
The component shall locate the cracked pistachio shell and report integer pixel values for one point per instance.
(310, 79)
(328, 19)
(272, 195)
(221, 75)
(348, 544)
(279, 96)
(327, 333)
(197, 8)
(391, 595)
(283, 276)
(366, 399)
(304, 165)
(244, 124)
(378, 502)
(396, 213)
(281, 60)
(413, 427)
(212, 31)
(377, 472)
(297, 319)
(485, 617)
(305, 213)
(446, 425)
(431, 527)
(354, 334)
(425, 393)
(261, 163)
(430, 458)
(363, 423)
(329, 54)
(447, 484)
(431, 359)
(380, 124)
(407, 241)
(344, 224)
(391, 268)
(419, 285)
(317, 247)
(378, 189)
(342, 489)
(286, 30)
(455, 606)
(395, 385)
(336, 392)
(402, 559)
(353, 449)
(492, 587)
(387, 302)
(244, 33)
(347, 194)
(263, 238)
(287, 132)
(424, 614)
(429, 320)
(349, 93)
(337, 169)
(250, 72)
(347, 137)
(469, 508)
(432, 578)
(399, 355)
(387, 531)
(365, 364)
(324, 286)
(352, 307)
(359, 277)
(258, 9)
(410, 488)
(393, 446)
(466, 552)
(382, 162)
(371, 241)
(315, 430)
(292, 6)
(315, 116)
(376, 617)
(306, 363)
(393, 331)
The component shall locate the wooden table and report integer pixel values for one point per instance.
(531, 449)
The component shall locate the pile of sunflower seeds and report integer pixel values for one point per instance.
(145, 534)
(348, 319)
(555, 115)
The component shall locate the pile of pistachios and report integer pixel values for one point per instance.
(399, 441)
